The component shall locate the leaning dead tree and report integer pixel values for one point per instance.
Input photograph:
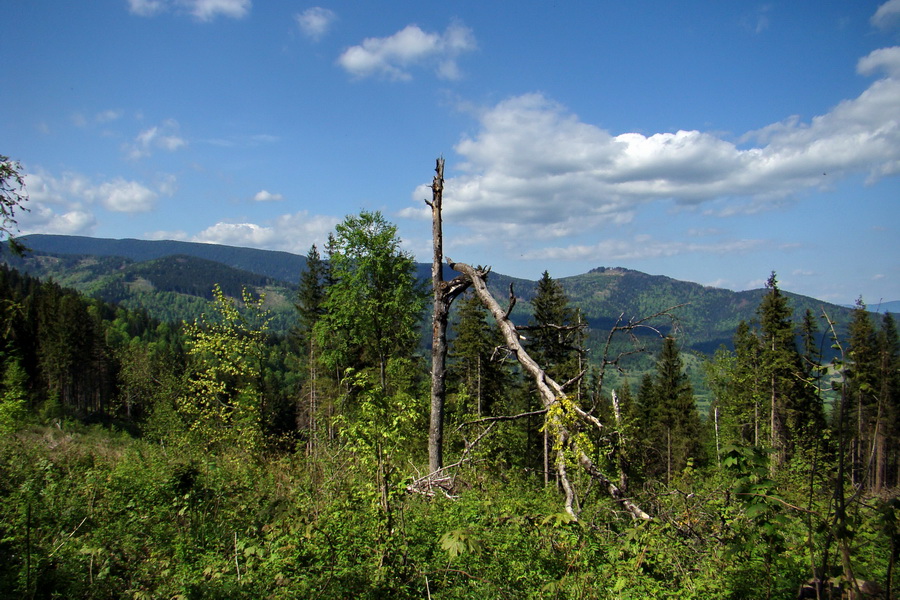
(565, 419)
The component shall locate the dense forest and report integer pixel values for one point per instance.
(216, 458)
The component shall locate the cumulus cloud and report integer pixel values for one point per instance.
(887, 15)
(290, 232)
(533, 169)
(640, 247)
(267, 196)
(159, 137)
(66, 204)
(392, 57)
(202, 10)
(315, 22)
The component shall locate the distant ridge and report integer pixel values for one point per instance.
(283, 266)
(706, 317)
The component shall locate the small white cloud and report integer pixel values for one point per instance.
(887, 15)
(315, 22)
(206, 10)
(639, 248)
(68, 192)
(167, 235)
(266, 196)
(202, 10)
(393, 56)
(886, 60)
(160, 137)
(107, 116)
(147, 8)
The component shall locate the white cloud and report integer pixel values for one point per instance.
(120, 195)
(532, 162)
(266, 196)
(887, 15)
(202, 10)
(73, 194)
(73, 221)
(290, 233)
(165, 136)
(393, 56)
(639, 248)
(315, 22)
(146, 8)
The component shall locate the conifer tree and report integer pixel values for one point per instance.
(867, 408)
(795, 411)
(888, 469)
(555, 343)
(673, 429)
(479, 374)
(310, 299)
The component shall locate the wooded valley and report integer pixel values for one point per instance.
(216, 458)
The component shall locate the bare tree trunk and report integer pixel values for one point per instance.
(444, 294)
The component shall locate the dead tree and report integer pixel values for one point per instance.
(565, 418)
(444, 294)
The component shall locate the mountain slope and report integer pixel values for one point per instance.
(283, 266)
(140, 272)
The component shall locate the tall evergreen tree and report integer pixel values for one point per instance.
(888, 469)
(674, 428)
(866, 418)
(310, 308)
(555, 344)
(795, 411)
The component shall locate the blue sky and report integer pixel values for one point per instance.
(708, 141)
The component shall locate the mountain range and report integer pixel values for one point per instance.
(173, 280)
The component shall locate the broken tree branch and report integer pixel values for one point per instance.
(553, 399)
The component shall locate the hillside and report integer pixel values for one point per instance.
(172, 288)
(283, 266)
(156, 274)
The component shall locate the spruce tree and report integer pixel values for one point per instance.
(675, 428)
(310, 300)
(888, 473)
(794, 409)
(478, 373)
(867, 410)
(555, 340)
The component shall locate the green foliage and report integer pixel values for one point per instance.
(222, 399)
(373, 304)
(13, 398)
(13, 197)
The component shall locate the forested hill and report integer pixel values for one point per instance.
(283, 266)
(120, 270)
